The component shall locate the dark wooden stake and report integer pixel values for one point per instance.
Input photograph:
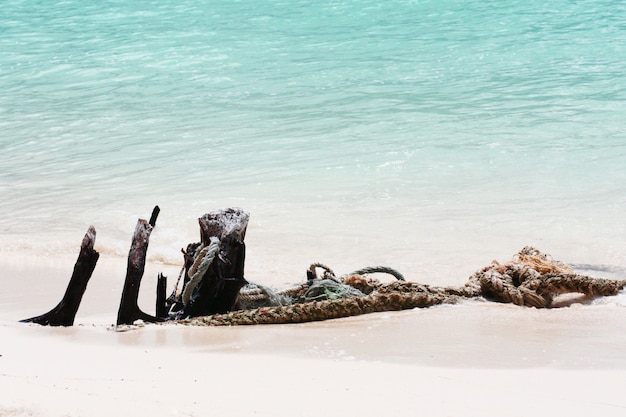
(65, 312)
(129, 309)
(161, 306)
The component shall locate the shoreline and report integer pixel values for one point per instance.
(583, 334)
(472, 359)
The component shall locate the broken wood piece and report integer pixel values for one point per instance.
(129, 310)
(161, 306)
(231, 222)
(65, 312)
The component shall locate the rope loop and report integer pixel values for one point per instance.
(373, 269)
(328, 273)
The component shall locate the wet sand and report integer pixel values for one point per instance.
(476, 358)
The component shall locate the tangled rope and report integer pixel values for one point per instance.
(532, 278)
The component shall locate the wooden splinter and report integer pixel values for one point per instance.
(129, 310)
(65, 312)
(161, 297)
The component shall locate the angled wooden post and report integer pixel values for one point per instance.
(65, 312)
(129, 310)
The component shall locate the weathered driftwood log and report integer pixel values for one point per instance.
(65, 312)
(129, 310)
(214, 268)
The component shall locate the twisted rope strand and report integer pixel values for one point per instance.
(531, 279)
(200, 265)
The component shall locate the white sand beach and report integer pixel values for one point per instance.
(474, 359)
(431, 137)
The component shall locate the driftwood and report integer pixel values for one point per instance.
(214, 267)
(65, 312)
(129, 310)
(214, 273)
(214, 291)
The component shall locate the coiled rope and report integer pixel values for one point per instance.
(532, 279)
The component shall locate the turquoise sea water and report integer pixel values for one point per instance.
(433, 136)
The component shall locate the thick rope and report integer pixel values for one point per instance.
(200, 265)
(254, 295)
(323, 310)
(530, 279)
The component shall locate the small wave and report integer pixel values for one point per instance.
(618, 300)
(607, 271)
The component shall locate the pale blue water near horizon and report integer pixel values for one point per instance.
(433, 136)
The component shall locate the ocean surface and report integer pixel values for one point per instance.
(430, 136)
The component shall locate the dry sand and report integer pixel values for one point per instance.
(476, 359)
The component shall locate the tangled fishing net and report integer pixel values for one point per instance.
(531, 278)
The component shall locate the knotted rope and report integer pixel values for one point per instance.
(532, 278)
